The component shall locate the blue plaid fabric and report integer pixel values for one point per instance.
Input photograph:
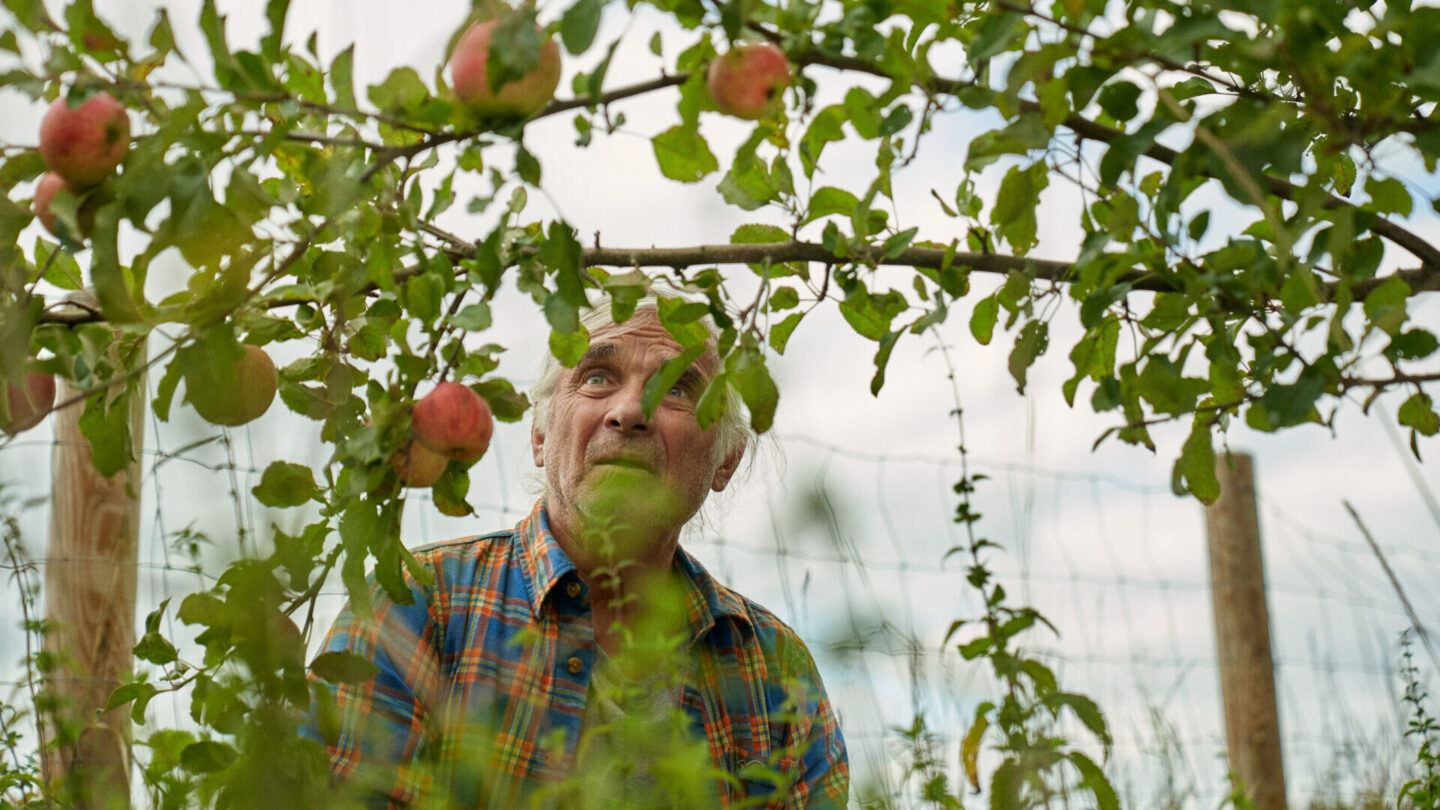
(483, 681)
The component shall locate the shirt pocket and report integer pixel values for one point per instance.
(762, 776)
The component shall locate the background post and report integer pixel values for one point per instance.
(1242, 635)
(90, 582)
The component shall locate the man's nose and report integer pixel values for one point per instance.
(626, 413)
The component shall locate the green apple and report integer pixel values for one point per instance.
(236, 397)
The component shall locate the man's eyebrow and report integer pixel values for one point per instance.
(600, 351)
(691, 379)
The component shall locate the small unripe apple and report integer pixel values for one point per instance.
(28, 403)
(84, 144)
(748, 80)
(522, 97)
(237, 398)
(454, 421)
(418, 466)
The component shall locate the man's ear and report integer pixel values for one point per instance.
(727, 468)
(537, 444)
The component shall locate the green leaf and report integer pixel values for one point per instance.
(748, 375)
(1163, 386)
(896, 245)
(756, 234)
(1418, 413)
(982, 319)
(899, 118)
(829, 200)
(1195, 468)
(569, 347)
(870, 314)
(505, 402)
(993, 35)
(400, 91)
(111, 280)
(514, 47)
(1412, 344)
(1120, 100)
(579, 23)
(138, 691)
(527, 166)
(342, 77)
(156, 649)
(227, 72)
(207, 756)
(1014, 215)
(780, 333)
(828, 126)
(660, 383)
(1389, 196)
(1093, 779)
(683, 154)
(473, 318)
(284, 484)
(715, 402)
(863, 110)
(449, 493)
(1086, 710)
(343, 667)
(1032, 342)
(1385, 306)
(782, 298)
(882, 359)
(106, 426)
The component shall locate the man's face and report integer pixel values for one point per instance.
(604, 460)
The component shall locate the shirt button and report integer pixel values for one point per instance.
(573, 590)
(575, 665)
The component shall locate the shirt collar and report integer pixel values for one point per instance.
(542, 560)
(708, 600)
(545, 564)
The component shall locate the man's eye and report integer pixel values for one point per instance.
(595, 379)
(677, 391)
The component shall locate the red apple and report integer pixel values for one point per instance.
(519, 98)
(453, 421)
(417, 466)
(236, 398)
(84, 144)
(29, 403)
(748, 80)
(45, 191)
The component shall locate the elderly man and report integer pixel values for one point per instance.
(583, 658)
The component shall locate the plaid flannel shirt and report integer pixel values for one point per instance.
(483, 681)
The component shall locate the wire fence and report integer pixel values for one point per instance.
(850, 547)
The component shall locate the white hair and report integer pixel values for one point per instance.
(734, 431)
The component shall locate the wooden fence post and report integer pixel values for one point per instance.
(90, 582)
(1242, 635)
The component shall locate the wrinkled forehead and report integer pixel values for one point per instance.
(643, 332)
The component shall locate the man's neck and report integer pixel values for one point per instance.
(619, 566)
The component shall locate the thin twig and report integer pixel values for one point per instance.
(1395, 583)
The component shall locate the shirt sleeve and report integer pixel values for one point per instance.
(823, 766)
(377, 729)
